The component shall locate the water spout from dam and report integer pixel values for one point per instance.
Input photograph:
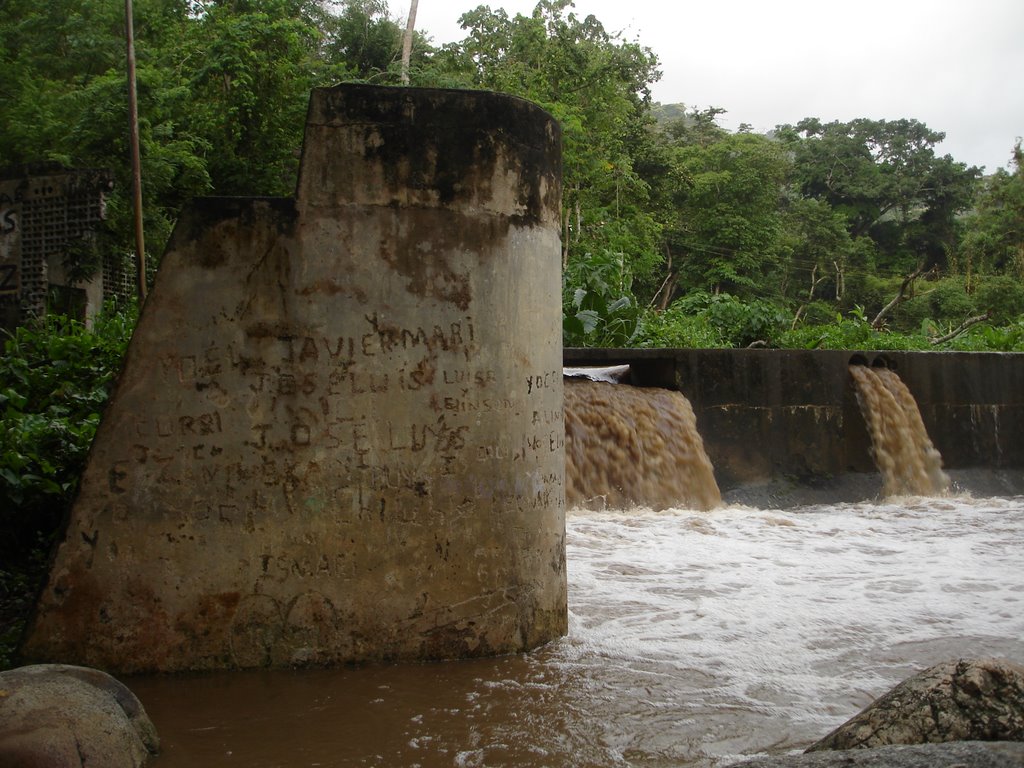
(909, 462)
(630, 446)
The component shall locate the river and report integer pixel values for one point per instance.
(696, 638)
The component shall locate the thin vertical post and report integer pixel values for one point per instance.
(133, 117)
(410, 28)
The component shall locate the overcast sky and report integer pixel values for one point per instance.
(955, 65)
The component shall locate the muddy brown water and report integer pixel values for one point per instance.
(627, 446)
(442, 714)
(900, 445)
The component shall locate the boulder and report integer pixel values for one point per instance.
(961, 700)
(59, 716)
(957, 754)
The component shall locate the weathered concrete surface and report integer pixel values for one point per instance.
(959, 700)
(58, 716)
(960, 754)
(338, 435)
(792, 415)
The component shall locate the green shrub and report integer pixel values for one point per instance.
(675, 328)
(55, 378)
(869, 292)
(940, 303)
(819, 313)
(950, 301)
(1003, 296)
(853, 331)
(737, 322)
(987, 338)
(598, 307)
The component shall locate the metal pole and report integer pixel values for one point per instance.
(133, 117)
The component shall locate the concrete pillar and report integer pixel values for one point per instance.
(338, 435)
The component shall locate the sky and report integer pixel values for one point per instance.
(955, 65)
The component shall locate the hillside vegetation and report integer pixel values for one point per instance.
(675, 231)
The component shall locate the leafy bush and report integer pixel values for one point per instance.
(1003, 296)
(819, 313)
(986, 338)
(935, 303)
(676, 328)
(868, 292)
(55, 378)
(599, 309)
(739, 323)
(853, 331)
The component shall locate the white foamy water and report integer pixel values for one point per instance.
(696, 638)
(742, 630)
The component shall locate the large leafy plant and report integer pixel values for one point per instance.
(599, 309)
(55, 378)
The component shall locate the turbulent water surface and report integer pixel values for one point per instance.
(695, 638)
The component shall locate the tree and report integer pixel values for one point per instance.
(994, 231)
(223, 89)
(597, 86)
(252, 64)
(818, 250)
(369, 43)
(885, 178)
(728, 227)
(65, 99)
(407, 39)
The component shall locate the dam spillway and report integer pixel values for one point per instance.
(626, 446)
(790, 418)
(907, 459)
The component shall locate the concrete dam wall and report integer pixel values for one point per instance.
(792, 415)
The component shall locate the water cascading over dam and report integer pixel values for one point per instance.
(629, 446)
(783, 427)
(905, 455)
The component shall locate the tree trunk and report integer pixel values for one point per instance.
(899, 298)
(410, 27)
(670, 289)
(961, 328)
(667, 285)
(565, 238)
(815, 281)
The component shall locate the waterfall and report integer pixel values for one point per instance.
(909, 463)
(629, 446)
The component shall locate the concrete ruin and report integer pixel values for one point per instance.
(338, 435)
(48, 219)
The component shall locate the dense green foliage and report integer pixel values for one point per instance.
(798, 231)
(55, 377)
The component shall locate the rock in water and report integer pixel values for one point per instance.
(958, 754)
(61, 716)
(961, 700)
